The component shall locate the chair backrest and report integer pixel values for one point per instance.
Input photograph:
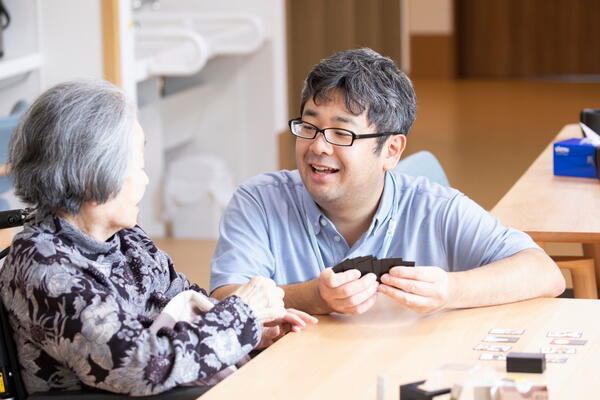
(423, 163)
(7, 126)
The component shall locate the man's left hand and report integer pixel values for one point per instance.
(421, 289)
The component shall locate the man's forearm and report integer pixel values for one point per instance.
(223, 291)
(305, 297)
(301, 296)
(527, 274)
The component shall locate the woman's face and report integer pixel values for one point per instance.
(122, 210)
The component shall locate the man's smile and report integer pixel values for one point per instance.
(323, 170)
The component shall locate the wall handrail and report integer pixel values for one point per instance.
(175, 44)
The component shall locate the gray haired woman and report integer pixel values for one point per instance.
(91, 300)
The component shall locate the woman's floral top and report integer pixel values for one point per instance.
(80, 310)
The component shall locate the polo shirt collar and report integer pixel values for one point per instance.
(384, 210)
(383, 213)
(313, 212)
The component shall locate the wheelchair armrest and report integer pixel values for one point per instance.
(178, 393)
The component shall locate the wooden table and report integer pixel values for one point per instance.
(555, 208)
(341, 357)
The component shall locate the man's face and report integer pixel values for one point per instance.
(337, 176)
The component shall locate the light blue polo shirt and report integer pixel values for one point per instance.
(273, 228)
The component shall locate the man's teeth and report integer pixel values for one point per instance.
(323, 169)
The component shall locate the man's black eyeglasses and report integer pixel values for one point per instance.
(336, 136)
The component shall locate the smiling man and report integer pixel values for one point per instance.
(345, 201)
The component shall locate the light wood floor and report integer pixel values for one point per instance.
(487, 132)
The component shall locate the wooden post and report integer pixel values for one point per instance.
(111, 44)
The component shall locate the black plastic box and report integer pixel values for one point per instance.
(525, 362)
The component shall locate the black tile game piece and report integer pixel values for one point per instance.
(395, 262)
(347, 264)
(377, 268)
(339, 267)
(406, 264)
(525, 362)
(386, 264)
(365, 266)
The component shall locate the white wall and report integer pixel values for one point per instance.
(67, 35)
(20, 39)
(234, 112)
(71, 40)
(272, 14)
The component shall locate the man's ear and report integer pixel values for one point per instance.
(392, 150)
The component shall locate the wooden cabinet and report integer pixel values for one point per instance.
(521, 38)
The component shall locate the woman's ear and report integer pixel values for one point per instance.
(392, 150)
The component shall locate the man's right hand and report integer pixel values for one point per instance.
(346, 292)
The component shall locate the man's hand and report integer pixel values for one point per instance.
(293, 320)
(346, 292)
(421, 289)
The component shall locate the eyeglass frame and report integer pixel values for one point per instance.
(354, 135)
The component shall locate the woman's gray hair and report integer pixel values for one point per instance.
(369, 81)
(72, 146)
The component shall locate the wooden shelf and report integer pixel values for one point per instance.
(10, 67)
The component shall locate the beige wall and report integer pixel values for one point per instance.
(428, 17)
(431, 44)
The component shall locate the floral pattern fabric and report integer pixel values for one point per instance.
(81, 312)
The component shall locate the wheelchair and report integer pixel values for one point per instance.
(11, 383)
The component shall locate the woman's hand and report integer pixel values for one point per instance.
(264, 298)
(187, 305)
(293, 320)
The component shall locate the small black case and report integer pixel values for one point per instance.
(591, 118)
(525, 362)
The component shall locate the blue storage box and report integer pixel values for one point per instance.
(575, 157)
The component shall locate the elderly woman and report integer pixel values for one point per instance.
(91, 299)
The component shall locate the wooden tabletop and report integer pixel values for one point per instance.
(553, 208)
(341, 357)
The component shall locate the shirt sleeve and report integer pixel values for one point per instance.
(77, 319)
(473, 238)
(243, 248)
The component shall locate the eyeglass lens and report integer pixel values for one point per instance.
(332, 135)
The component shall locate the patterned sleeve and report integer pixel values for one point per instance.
(69, 314)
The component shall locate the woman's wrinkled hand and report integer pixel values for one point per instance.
(264, 298)
(293, 320)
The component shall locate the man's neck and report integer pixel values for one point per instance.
(352, 219)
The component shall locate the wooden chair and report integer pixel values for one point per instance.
(582, 272)
(583, 275)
